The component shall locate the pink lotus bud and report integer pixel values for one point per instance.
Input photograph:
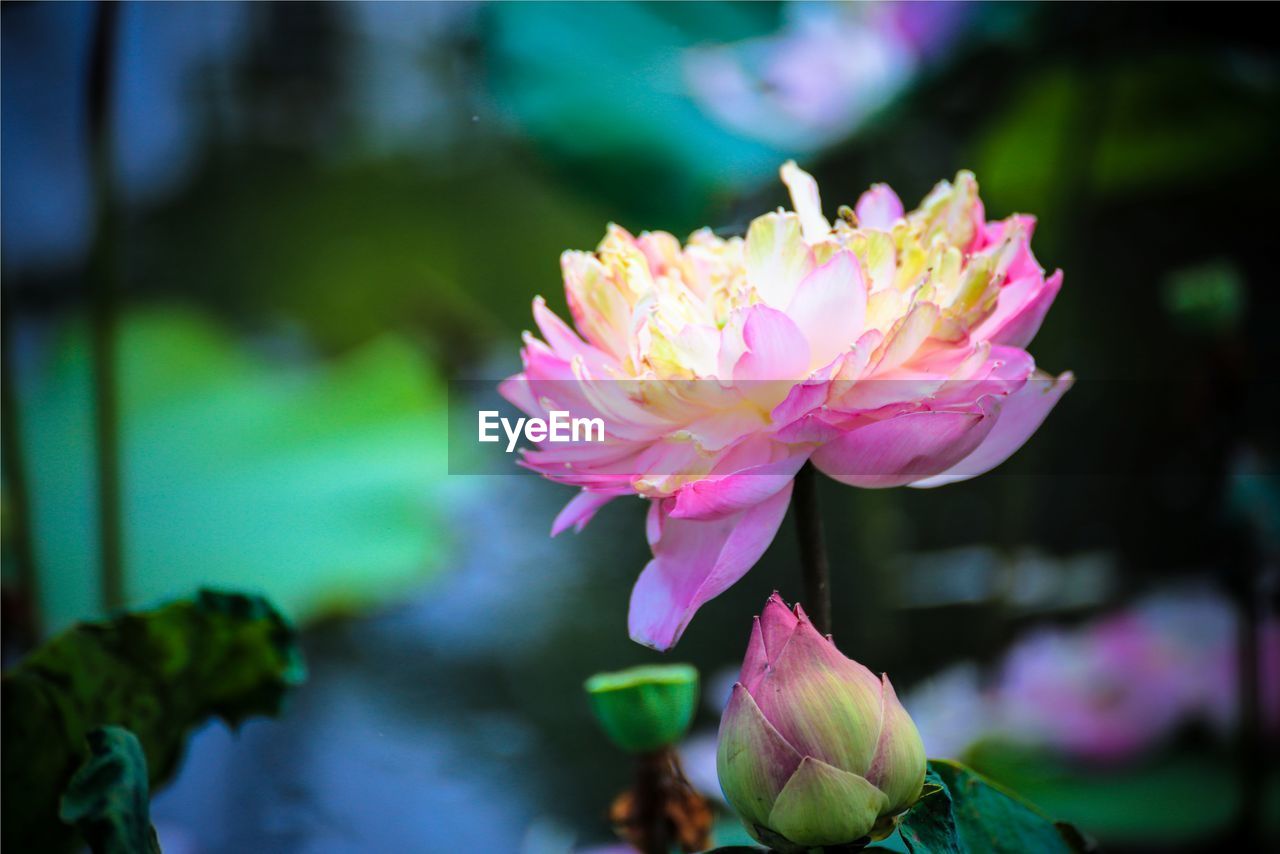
(814, 748)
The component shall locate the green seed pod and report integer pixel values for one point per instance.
(645, 708)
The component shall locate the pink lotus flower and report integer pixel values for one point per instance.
(814, 749)
(886, 348)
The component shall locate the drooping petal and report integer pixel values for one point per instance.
(905, 448)
(830, 307)
(806, 200)
(753, 761)
(821, 805)
(899, 765)
(694, 562)
(579, 511)
(1020, 416)
(776, 257)
(878, 207)
(825, 705)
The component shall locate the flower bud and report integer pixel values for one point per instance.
(814, 749)
(645, 708)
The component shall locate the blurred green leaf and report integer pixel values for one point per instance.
(108, 799)
(1019, 158)
(355, 251)
(1180, 119)
(1206, 299)
(1177, 799)
(603, 87)
(1175, 121)
(319, 483)
(157, 673)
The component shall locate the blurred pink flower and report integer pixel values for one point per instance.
(887, 348)
(1125, 682)
(823, 72)
(1110, 690)
(1101, 695)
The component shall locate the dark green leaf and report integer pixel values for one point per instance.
(157, 673)
(108, 799)
(962, 811)
(985, 817)
(930, 825)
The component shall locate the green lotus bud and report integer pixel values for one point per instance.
(645, 708)
(814, 749)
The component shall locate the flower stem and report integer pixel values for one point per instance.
(813, 549)
(662, 810)
(653, 833)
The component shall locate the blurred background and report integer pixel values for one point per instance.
(247, 246)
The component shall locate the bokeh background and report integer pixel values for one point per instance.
(262, 239)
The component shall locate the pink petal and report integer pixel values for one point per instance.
(694, 562)
(776, 348)
(990, 370)
(878, 207)
(563, 340)
(515, 390)
(812, 694)
(1024, 262)
(1020, 311)
(756, 659)
(1020, 416)
(907, 447)
(579, 511)
(830, 307)
(717, 497)
(809, 395)
(777, 623)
